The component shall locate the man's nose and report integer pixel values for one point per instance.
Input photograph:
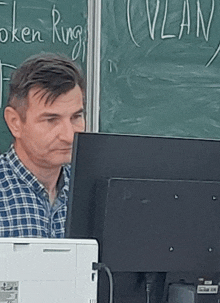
(67, 132)
(69, 129)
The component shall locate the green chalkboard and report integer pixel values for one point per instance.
(28, 27)
(160, 67)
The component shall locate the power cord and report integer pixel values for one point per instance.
(100, 266)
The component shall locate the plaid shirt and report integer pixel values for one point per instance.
(25, 209)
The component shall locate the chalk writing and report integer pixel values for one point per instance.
(129, 24)
(25, 34)
(66, 34)
(163, 36)
(152, 25)
(156, 8)
(112, 66)
(200, 19)
(17, 33)
(185, 19)
(214, 56)
(30, 35)
(2, 78)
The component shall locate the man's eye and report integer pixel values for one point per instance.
(51, 120)
(78, 116)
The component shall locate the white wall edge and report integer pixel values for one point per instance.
(93, 65)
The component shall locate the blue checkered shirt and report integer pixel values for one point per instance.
(25, 209)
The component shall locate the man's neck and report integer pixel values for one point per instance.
(48, 177)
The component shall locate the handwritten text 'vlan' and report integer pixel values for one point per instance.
(202, 26)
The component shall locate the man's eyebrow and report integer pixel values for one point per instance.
(54, 115)
(50, 115)
(81, 110)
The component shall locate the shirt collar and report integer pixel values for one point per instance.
(64, 179)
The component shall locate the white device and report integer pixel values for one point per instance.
(48, 270)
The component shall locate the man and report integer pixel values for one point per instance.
(45, 108)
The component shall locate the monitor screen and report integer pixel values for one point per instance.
(151, 202)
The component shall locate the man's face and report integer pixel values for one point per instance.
(47, 133)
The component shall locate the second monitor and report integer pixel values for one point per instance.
(152, 202)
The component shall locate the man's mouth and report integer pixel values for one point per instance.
(64, 150)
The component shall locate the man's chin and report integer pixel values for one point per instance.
(67, 160)
(60, 158)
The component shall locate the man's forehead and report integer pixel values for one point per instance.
(65, 104)
(39, 96)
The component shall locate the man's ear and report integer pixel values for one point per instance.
(13, 121)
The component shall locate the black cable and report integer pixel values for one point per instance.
(100, 266)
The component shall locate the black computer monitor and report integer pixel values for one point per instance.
(153, 203)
